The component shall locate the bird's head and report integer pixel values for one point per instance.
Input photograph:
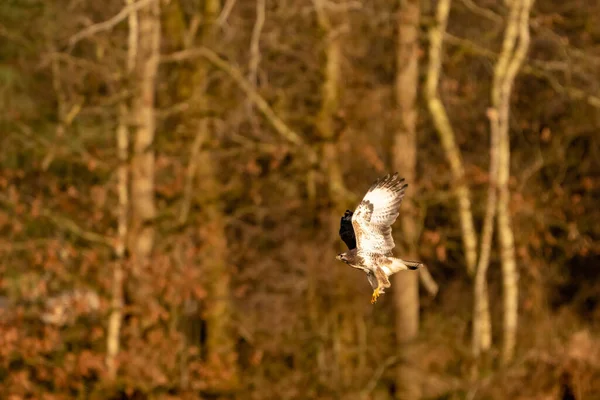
(342, 257)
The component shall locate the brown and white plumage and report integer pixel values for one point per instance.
(371, 228)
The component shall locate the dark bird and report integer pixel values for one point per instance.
(368, 234)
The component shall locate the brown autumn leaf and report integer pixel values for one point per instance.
(199, 292)
(588, 183)
(72, 192)
(257, 357)
(441, 253)
(545, 134)
(432, 237)
(98, 195)
(252, 167)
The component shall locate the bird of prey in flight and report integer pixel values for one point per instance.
(368, 234)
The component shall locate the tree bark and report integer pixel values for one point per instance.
(406, 284)
(446, 134)
(143, 113)
(482, 324)
(511, 59)
(116, 315)
(481, 317)
(329, 22)
(220, 338)
(330, 95)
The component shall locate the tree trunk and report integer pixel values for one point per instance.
(406, 284)
(116, 314)
(142, 163)
(220, 338)
(330, 95)
(481, 316)
(446, 134)
(511, 59)
(344, 331)
(482, 324)
(115, 317)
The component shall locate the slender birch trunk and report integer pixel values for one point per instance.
(406, 285)
(122, 133)
(143, 113)
(482, 325)
(447, 136)
(481, 316)
(514, 51)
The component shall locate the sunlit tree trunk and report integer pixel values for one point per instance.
(482, 325)
(143, 114)
(514, 51)
(122, 133)
(406, 284)
(481, 316)
(447, 136)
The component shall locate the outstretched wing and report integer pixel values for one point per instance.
(347, 230)
(376, 213)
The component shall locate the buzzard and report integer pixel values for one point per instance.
(368, 234)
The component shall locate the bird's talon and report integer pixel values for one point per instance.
(376, 294)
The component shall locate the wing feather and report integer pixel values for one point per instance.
(375, 214)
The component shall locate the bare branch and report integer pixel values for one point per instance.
(535, 68)
(483, 12)
(234, 73)
(67, 224)
(110, 23)
(229, 4)
(370, 386)
(255, 41)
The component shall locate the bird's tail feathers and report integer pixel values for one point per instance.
(413, 264)
(401, 265)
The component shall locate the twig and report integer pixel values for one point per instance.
(66, 224)
(370, 386)
(108, 24)
(225, 13)
(535, 68)
(483, 12)
(255, 41)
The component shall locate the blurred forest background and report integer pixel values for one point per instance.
(173, 173)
